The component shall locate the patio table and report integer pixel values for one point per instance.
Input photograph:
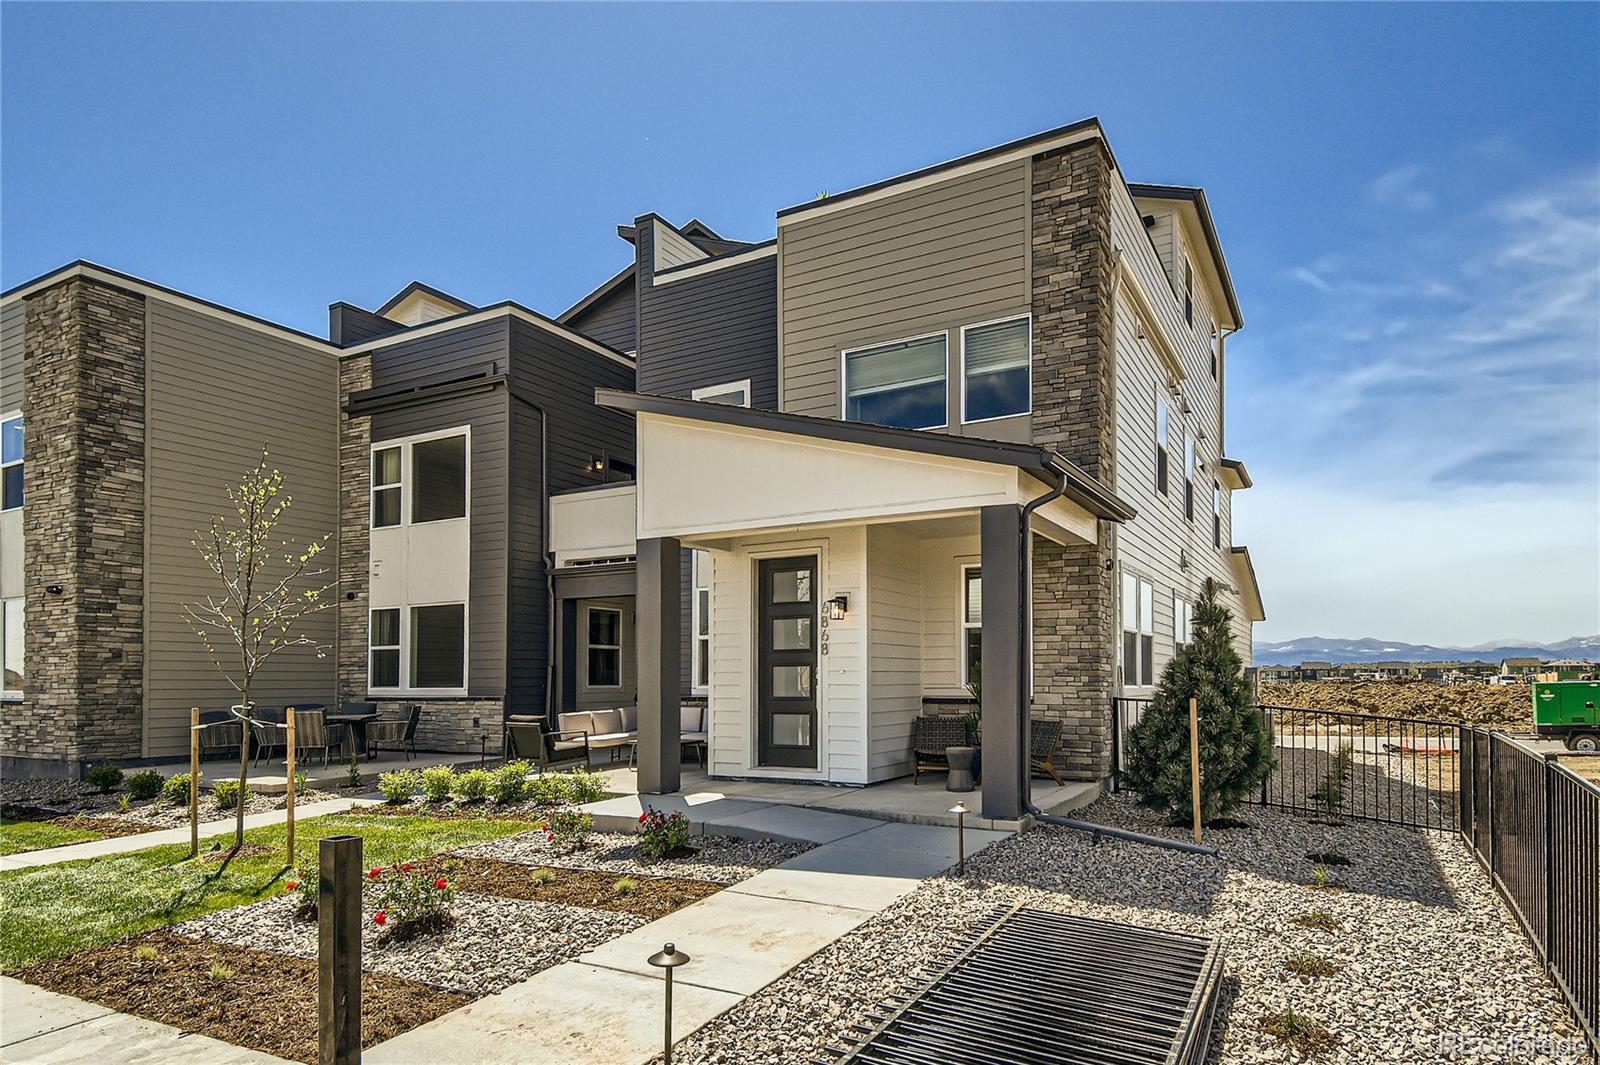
(357, 724)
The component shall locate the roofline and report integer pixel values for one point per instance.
(1044, 464)
(716, 262)
(1197, 197)
(605, 289)
(1241, 556)
(1239, 471)
(129, 282)
(508, 308)
(418, 286)
(1015, 146)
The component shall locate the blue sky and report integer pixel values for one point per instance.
(1408, 195)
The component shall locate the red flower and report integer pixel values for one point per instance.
(406, 867)
(291, 885)
(375, 873)
(549, 837)
(643, 818)
(380, 918)
(545, 827)
(441, 883)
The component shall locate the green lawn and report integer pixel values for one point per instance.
(19, 836)
(58, 909)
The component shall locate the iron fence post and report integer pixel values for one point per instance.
(1549, 860)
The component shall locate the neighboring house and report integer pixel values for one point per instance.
(127, 409)
(855, 423)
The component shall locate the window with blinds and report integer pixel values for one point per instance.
(995, 370)
(903, 384)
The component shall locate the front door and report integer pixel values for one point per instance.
(787, 661)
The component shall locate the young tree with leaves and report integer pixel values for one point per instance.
(1235, 750)
(269, 587)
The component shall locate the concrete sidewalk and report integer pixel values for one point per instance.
(605, 1007)
(42, 1026)
(100, 848)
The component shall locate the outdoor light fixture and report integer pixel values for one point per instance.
(53, 589)
(961, 811)
(838, 606)
(669, 958)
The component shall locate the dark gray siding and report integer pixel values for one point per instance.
(712, 329)
(610, 320)
(348, 324)
(465, 348)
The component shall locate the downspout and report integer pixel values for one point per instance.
(1025, 671)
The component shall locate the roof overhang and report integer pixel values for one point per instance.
(1244, 578)
(1233, 474)
(498, 310)
(1197, 216)
(417, 288)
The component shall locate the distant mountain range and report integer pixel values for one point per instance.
(1325, 649)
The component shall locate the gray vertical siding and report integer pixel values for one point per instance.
(712, 329)
(11, 318)
(218, 393)
(610, 320)
(351, 325)
(463, 348)
(937, 258)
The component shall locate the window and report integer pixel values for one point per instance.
(385, 487)
(901, 384)
(736, 394)
(11, 624)
(11, 463)
(1188, 291)
(420, 479)
(605, 648)
(383, 649)
(1188, 475)
(1138, 632)
(971, 625)
(700, 679)
(1215, 347)
(1182, 622)
(1216, 514)
(996, 370)
(424, 645)
(1162, 428)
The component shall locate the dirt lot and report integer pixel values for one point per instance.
(1509, 707)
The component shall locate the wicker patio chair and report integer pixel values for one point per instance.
(313, 733)
(1045, 735)
(930, 736)
(221, 733)
(395, 734)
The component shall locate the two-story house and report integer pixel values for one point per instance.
(956, 431)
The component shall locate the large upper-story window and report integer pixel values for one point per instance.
(996, 369)
(1163, 427)
(420, 479)
(903, 384)
(11, 463)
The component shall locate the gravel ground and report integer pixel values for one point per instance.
(70, 797)
(1433, 967)
(492, 943)
(718, 859)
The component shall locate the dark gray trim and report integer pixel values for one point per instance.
(349, 324)
(998, 149)
(394, 397)
(1238, 468)
(418, 286)
(592, 488)
(596, 582)
(1005, 734)
(607, 287)
(658, 613)
(1198, 198)
(1046, 465)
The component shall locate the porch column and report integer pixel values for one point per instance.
(1005, 731)
(657, 631)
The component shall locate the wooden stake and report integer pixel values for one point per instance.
(288, 805)
(194, 781)
(1194, 761)
(339, 950)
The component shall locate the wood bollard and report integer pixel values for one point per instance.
(288, 794)
(194, 781)
(339, 950)
(1194, 762)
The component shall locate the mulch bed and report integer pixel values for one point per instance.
(107, 827)
(655, 896)
(269, 1003)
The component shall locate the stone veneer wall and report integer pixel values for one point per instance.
(446, 724)
(1073, 605)
(355, 479)
(83, 529)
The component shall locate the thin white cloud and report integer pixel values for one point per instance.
(1399, 188)
(1301, 273)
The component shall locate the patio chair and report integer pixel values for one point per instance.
(692, 731)
(529, 736)
(395, 734)
(264, 731)
(1045, 737)
(221, 735)
(930, 736)
(313, 733)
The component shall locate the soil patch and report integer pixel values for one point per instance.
(105, 827)
(268, 1003)
(249, 850)
(652, 897)
(1327, 858)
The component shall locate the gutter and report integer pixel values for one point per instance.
(1026, 672)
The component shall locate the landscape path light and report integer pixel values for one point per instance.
(961, 811)
(669, 958)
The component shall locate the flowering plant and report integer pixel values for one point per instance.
(568, 830)
(663, 835)
(304, 887)
(410, 901)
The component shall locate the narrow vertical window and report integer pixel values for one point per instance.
(1138, 632)
(701, 568)
(11, 464)
(971, 626)
(996, 370)
(11, 624)
(605, 648)
(1188, 475)
(1182, 622)
(1162, 428)
(1216, 514)
(385, 487)
(1188, 291)
(383, 649)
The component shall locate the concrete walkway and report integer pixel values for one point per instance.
(42, 1026)
(100, 848)
(605, 1007)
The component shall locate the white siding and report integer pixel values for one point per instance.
(942, 560)
(894, 610)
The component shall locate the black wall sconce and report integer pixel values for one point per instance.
(838, 606)
(56, 589)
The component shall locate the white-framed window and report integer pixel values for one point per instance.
(1188, 474)
(904, 384)
(604, 627)
(12, 619)
(1182, 622)
(997, 369)
(421, 478)
(971, 625)
(1216, 514)
(11, 462)
(1188, 291)
(735, 394)
(1138, 632)
(700, 677)
(1163, 427)
(418, 649)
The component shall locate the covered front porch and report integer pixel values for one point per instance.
(856, 576)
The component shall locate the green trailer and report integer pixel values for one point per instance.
(1565, 710)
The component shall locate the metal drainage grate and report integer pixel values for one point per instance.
(1029, 987)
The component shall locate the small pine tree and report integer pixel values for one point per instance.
(1235, 751)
